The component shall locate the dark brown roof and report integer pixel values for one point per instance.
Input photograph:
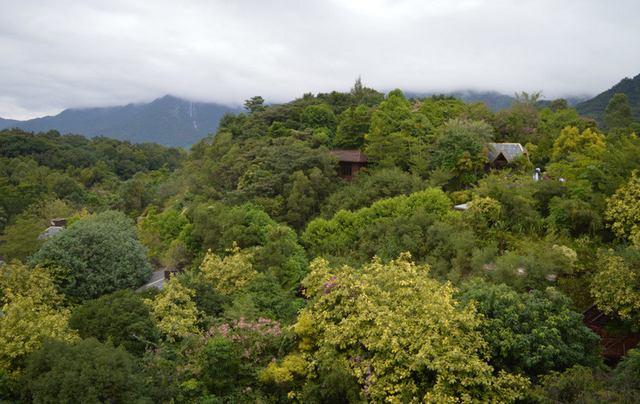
(350, 156)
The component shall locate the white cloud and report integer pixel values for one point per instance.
(59, 54)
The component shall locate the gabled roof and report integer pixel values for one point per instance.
(349, 156)
(50, 232)
(508, 150)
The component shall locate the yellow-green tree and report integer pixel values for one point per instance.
(616, 286)
(32, 312)
(175, 313)
(578, 154)
(399, 335)
(230, 273)
(623, 210)
(589, 143)
(483, 213)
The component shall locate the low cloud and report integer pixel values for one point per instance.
(81, 54)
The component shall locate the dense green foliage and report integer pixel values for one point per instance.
(87, 372)
(531, 334)
(98, 155)
(293, 285)
(120, 317)
(583, 385)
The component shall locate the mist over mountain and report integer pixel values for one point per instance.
(495, 100)
(172, 121)
(169, 121)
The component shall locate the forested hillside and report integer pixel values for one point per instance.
(295, 285)
(595, 107)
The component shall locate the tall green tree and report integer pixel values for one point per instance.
(352, 127)
(302, 200)
(360, 94)
(356, 235)
(385, 144)
(20, 239)
(458, 137)
(132, 197)
(618, 113)
(519, 123)
(439, 110)
(255, 105)
(158, 231)
(23, 237)
(319, 116)
(462, 148)
(275, 247)
(371, 187)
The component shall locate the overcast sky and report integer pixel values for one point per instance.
(57, 54)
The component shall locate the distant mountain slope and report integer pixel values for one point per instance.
(495, 100)
(168, 121)
(8, 123)
(594, 108)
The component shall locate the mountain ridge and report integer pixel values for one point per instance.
(594, 107)
(173, 121)
(169, 121)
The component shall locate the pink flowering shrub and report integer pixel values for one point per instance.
(258, 342)
(229, 357)
(223, 364)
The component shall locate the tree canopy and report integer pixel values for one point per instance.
(94, 257)
(399, 335)
(87, 372)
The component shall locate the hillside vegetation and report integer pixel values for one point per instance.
(295, 285)
(595, 107)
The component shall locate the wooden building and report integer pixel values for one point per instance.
(613, 345)
(351, 161)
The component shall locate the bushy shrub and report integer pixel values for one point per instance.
(97, 256)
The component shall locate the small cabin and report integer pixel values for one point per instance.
(56, 226)
(502, 154)
(351, 161)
